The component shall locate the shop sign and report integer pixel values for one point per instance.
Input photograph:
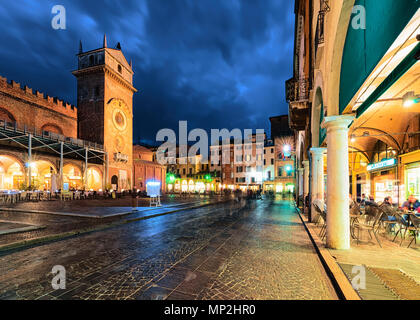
(383, 164)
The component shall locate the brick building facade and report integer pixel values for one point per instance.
(105, 109)
(145, 169)
(61, 146)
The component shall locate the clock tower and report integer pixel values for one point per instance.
(105, 109)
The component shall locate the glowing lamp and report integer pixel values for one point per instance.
(410, 99)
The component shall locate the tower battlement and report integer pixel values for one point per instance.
(28, 95)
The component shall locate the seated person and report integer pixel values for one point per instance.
(412, 204)
(371, 202)
(388, 208)
(387, 201)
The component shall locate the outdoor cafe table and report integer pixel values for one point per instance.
(34, 195)
(11, 197)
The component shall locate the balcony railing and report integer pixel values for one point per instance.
(297, 89)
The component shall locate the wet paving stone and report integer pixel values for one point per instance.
(195, 282)
(174, 277)
(153, 293)
(225, 251)
(175, 295)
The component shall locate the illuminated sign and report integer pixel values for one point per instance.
(65, 186)
(383, 164)
(153, 188)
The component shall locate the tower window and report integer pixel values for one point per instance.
(96, 91)
(119, 68)
(91, 60)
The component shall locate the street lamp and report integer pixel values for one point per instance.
(410, 98)
(171, 177)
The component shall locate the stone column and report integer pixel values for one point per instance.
(338, 215)
(305, 183)
(317, 181)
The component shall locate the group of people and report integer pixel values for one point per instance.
(412, 204)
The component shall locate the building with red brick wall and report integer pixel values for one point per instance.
(145, 169)
(57, 144)
(29, 117)
(36, 110)
(105, 109)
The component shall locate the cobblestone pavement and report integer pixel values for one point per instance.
(102, 207)
(44, 225)
(218, 252)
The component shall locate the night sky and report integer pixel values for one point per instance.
(215, 63)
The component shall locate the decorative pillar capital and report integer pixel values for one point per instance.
(318, 151)
(338, 122)
(305, 163)
(300, 169)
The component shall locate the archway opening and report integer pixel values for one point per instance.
(11, 173)
(42, 174)
(72, 175)
(114, 182)
(6, 116)
(94, 179)
(319, 134)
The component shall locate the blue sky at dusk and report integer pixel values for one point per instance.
(215, 63)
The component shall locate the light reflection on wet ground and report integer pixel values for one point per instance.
(174, 256)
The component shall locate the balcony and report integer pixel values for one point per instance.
(297, 90)
(297, 94)
(120, 157)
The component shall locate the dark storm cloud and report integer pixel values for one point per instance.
(217, 64)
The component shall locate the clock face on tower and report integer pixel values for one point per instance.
(119, 115)
(119, 118)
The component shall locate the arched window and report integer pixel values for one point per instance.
(91, 60)
(119, 68)
(51, 128)
(6, 116)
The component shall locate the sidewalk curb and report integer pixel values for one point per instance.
(79, 215)
(65, 235)
(335, 273)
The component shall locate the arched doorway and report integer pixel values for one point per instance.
(42, 172)
(318, 113)
(72, 175)
(11, 173)
(94, 179)
(191, 186)
(114, 182)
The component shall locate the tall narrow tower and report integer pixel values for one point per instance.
(105, 108)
